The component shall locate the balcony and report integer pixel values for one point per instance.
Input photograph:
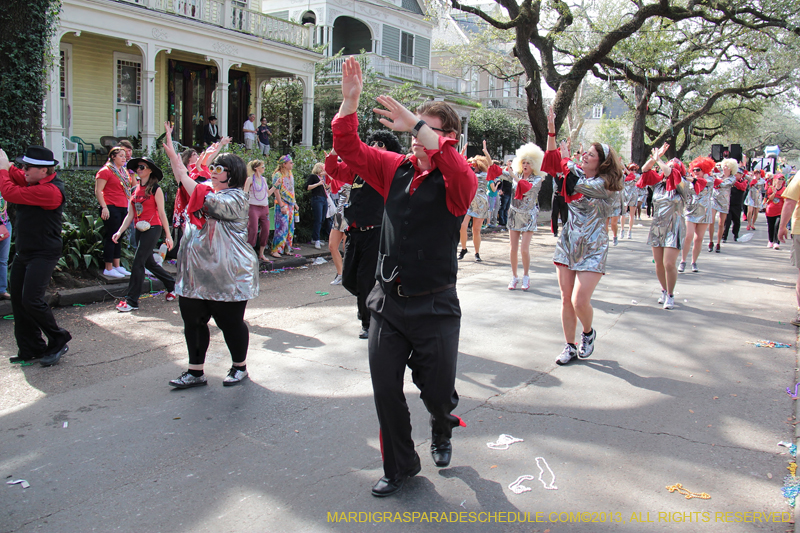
(505, 102)
(233, 15)
(404, 72)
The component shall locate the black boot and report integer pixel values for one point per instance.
(441, 450)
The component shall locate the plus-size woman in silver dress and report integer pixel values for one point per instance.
(591, 192)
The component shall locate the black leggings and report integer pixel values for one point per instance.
(229, 317)
(112, 250)
(772, 228)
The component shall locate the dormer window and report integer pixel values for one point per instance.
(597, 111)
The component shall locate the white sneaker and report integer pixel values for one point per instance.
(663, 296)
(669, 303)
(526, 283)
(122, 271)
(587, 344)
(337, 280)
(513, 284)
(615, 240)
(630, 235)
(317, 245)
(567, 355)
(113, 273)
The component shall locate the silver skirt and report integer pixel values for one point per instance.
(479, 208)
(667, 230)
(754, 197)
(583, 243)
(722, 195)
(699, 207)
(339, 222)
(522, 213)
(631, 193)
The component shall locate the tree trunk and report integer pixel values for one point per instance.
(638, 146)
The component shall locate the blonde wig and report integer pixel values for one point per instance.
(530, 153)
(730, 164)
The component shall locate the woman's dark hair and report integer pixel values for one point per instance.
(114, 151)
(186, 155)
(610, 168)
(388, 139)
(237, 170)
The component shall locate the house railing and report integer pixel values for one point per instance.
(390, 68)
(505, 102)
(234, 15)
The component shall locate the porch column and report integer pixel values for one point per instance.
(149, 51)
(465, 131)
(53, 129)
(308, 111)
(223, 66)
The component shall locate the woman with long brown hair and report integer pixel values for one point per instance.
(591, 190)
(112, 188)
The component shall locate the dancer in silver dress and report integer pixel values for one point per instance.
(671, 190)
(333, 167)
(631, 195)
(755, 198)
(478, 211)
(616, 213)
(722, 198)
(524, 209)
(699, 213)
(580, 257)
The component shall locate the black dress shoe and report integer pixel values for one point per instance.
(441, 450)
(386, 487)
(20, 359)
(54, 358)
(364, 333)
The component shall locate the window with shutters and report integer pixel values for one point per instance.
(407, 48)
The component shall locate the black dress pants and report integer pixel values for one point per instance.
(30, 277)
(229, 317)
(421, 333)
(502, 213)
(112, 250)
(559, 210)
(144, 259)
(360, 264)
(735, 218)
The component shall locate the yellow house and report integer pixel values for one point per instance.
(127, 66)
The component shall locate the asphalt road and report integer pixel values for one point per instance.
(668, 397)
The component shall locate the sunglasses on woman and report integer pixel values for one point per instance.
(217, 169)
(379, 144)
(141, 167)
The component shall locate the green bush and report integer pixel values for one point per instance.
(83, 243)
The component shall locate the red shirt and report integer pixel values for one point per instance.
(16, 190)
(113, 192)
(378, 168)
(774, 207)
(149, 210)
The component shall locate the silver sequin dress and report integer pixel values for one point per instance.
(619, 208)
(479, 208)
(215, 262)
(631, 192)
(667, 229)
(583, 243)
(698, 206)
(339, 222)
(522, 213)
(755, 194)
(722, 195)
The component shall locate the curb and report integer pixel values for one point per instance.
(111, 291)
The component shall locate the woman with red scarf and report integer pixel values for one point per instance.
(671, 190)
(699, 211)
(774, 205)
(631, 195)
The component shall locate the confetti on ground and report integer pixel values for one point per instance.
(8, 317)
(769, 344)
(791, 487)
(792, 447)
(78, 305)
(789, 391)
(21, 482)
(321, 293)
(66, 425)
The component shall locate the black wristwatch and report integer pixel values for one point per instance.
(415, 129)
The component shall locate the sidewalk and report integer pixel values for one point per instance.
(107, 291)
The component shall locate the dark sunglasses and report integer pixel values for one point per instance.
(697, 170)
(142, 167)
(379, 144)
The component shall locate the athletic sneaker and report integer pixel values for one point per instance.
(113, 273)
(170, 296)
(770, 245)
(462, 253)
(694, 268)
(569, 353)
(122, 271)
(669, 303)
(234, 377)
(776, 246)
(317, 245)
(526, 283)
(681, 267)
(513, 284)
(711, 247)
(717, 249)
(478, 258)
(663, 296)
(587, 344)
(630, 235)
(337, 280)
(124, 307)
(615, 240)
(186, 381)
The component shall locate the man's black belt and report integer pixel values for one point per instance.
(397, 288)
(364, 228)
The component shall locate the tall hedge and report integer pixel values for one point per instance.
(26, 27)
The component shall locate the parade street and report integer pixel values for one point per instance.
(668, 397)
